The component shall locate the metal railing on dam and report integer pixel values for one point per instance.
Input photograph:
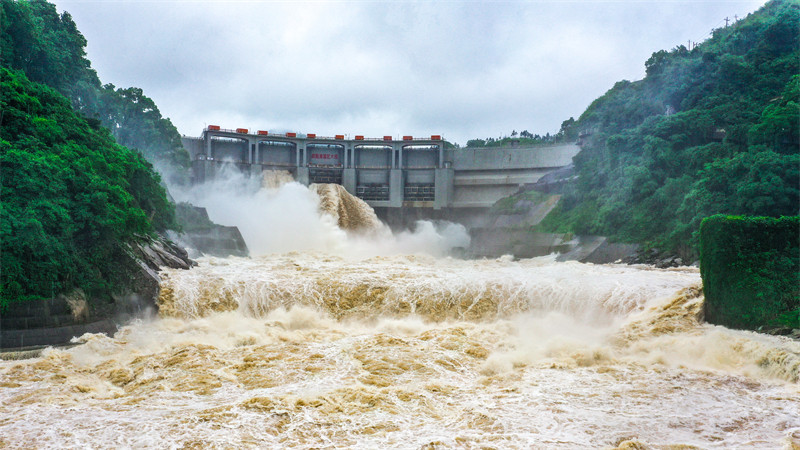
(385, 172)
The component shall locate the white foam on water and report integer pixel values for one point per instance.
(312, 350)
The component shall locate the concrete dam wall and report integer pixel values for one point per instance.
(386, 173)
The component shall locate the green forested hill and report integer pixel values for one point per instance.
(49, 49)
(71, 197)
(712, 129)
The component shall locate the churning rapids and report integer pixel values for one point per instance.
(377, 348)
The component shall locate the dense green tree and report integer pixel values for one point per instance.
(708, 130)
(476, 143)
(136, 122)
(49, 49)
(71, 197)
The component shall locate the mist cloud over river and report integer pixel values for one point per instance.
(276, 214)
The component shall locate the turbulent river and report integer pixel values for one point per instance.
(330, 349)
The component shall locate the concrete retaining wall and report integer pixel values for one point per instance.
(502, 158)
(46, 322)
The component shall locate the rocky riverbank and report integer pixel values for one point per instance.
(201, 236)
(57, 320)
(512, 227)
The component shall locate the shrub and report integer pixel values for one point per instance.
(751, 271)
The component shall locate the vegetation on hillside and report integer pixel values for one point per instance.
(71, 197)
(567, 133)
(518, 203)
(714, 129)
(49, 49)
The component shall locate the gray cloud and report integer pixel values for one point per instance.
(461, 69)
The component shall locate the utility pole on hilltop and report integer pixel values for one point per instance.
(726, 22)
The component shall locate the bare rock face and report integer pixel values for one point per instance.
(656, 257)
(149, 256)
(161, 252)
(204, 237)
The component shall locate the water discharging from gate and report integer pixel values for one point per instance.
(390, 349)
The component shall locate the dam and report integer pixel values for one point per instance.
(388, 172)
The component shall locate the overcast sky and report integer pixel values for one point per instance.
(463, 69)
